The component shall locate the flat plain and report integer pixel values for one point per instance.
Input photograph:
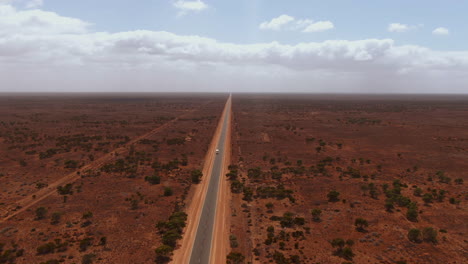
(127, 160)
(343, 179)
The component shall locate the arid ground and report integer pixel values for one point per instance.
(128, 161)
(370, 168)
(313, 178)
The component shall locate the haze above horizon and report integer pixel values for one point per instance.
(234, 46)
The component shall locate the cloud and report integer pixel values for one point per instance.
(42, 50)
(400, 28)
(34, 3)
(277, 23)
(441, 31)
(13, 22)
(286, 22)
(189, 6)
(397, 27)
(319, 26)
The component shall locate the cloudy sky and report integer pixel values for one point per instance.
(370, 46)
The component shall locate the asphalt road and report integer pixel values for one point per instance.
(202, 245)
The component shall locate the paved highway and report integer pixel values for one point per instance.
(202, 246)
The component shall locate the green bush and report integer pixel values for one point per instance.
(235, 258)
(41, 213)
(414, 235)
(168, 191)
(153, 179)
(333, 196)
(196, 176)
(429, 234)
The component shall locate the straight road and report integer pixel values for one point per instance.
(201, 251)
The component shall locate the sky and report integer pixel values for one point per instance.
(303, 46)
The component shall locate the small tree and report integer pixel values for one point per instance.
(427, 198)
(168, 191)
(333, 196)
(235, 258)
(163, 254)
(418, 192)
(412, 213)
(360, 224)
(88, 259)
(414, 235)
(389, 205)
(237, 186)
(429, 234)
(41, 213)
(153, 179)
(196, 176)
(347, 253)
(55, 218)
(338, 243)
(316, 213)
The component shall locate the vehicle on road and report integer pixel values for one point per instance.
(217, 151)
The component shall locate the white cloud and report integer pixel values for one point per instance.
(286, 22)
(276, 23)
(13, 22)
(34, 3)
(401, 28)
(319, 26)
(36, 45)
(441, 31)
(397, 27)
(190, 6)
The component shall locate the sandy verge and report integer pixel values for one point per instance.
(195, 204)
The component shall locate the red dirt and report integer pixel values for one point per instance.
(385, 138)
(131, 233)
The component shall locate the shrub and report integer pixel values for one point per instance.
(333, 196)
(414, 235)
(338, 243)
(417, 192)
(85, 243)
(88, 259)
(87, 215)
(233, 241)
(316, 213)
(347, 253)
(163, 254)
(429, 234)
(196, 176)
(360, 224)
(235, 258)
(55, 218)
(46, 248)
(412, 213)
(427, 198)
(153, 179)
(64, 190)
(237, 186)
(168, 191)
(389, 205)
(71, 164)
(41, 213)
